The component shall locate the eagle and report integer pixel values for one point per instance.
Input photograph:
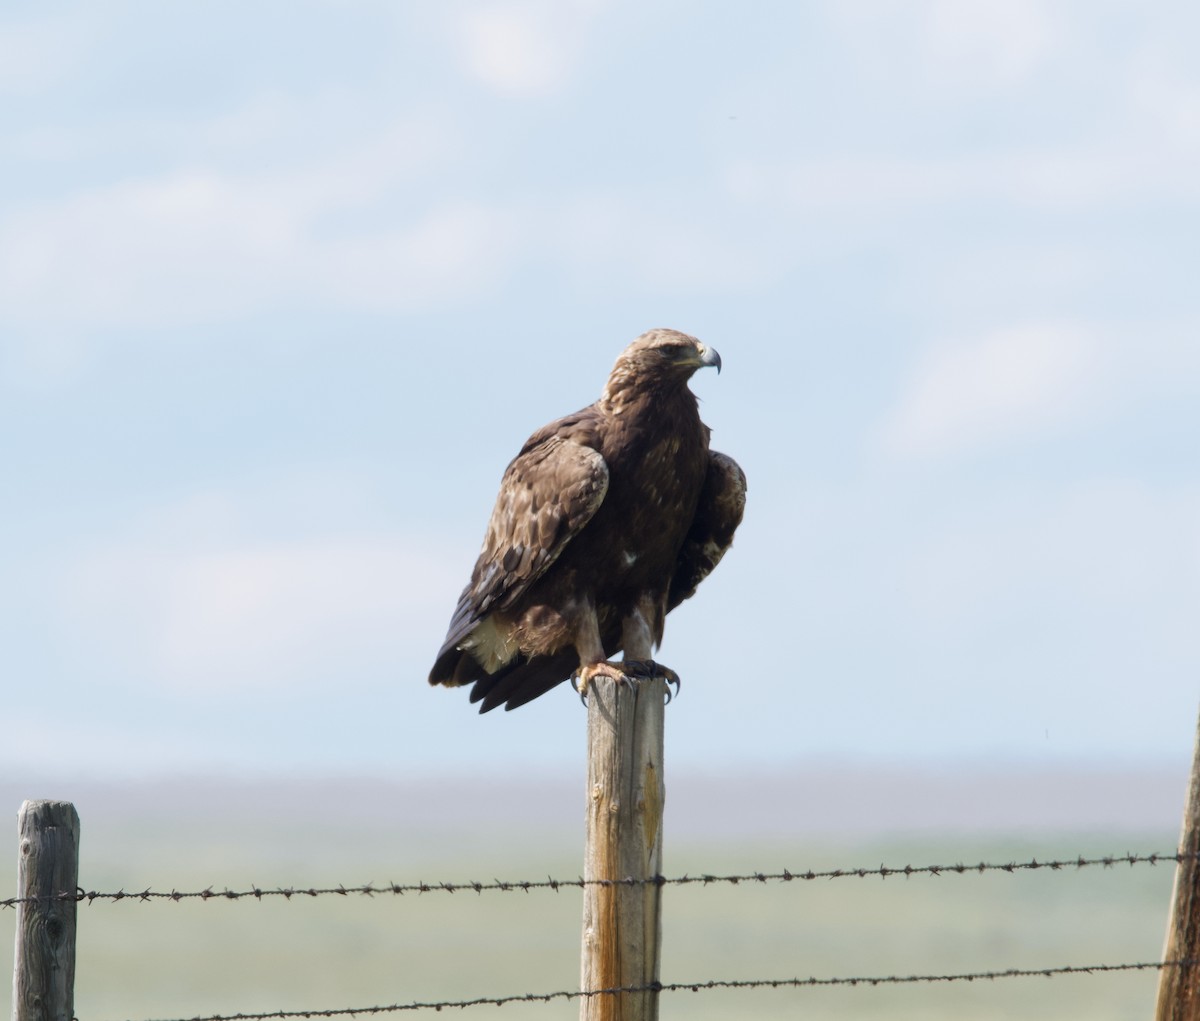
(606, 521)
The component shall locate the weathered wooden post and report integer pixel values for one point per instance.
(47, 865)
(622, 922)
(1179, 985)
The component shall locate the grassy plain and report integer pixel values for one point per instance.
(181, 960)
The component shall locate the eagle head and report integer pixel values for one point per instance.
(656, 359)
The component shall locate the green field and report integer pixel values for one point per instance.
(179, 960)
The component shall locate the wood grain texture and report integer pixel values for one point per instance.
(44, 958)
(1179, 987)
(622, 924)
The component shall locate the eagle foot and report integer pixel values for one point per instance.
(647, 669)
(582, 678)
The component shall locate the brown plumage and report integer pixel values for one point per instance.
(605, 522)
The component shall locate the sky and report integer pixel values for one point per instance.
(284, 286)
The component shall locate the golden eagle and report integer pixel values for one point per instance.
(606, 521)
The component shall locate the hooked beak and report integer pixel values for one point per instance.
(709, 356)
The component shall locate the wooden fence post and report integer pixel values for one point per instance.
(622, 923)
(47, 865)
(1179, 986)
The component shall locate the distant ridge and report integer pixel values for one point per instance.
(810, 799)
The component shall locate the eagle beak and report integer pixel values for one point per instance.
(709, 356)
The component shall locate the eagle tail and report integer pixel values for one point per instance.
(522, 681)
(455, 667)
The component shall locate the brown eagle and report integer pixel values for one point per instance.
(606, 521)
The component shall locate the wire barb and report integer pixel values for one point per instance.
(696, 987)
(525, 886)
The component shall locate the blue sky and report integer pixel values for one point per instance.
(283, 287)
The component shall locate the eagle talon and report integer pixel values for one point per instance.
(648, 669)
(581, 680)
(670, 694)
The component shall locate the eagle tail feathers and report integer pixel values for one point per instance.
(523, 680)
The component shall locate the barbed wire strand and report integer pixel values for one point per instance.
(526, 886)
(696, 987)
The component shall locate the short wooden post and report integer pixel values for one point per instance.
(622, 923)
(1179, 985)
(47, 866)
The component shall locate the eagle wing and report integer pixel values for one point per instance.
(548, 493)
(718, 513)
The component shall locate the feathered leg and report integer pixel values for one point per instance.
(591, 656)
(641, 631)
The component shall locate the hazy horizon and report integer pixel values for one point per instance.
(814, 799)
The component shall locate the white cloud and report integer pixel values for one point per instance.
(196, 244)
(960, 49)
(1003, 39)
(199, 245)
(38, 54)
(524, 49)
(278, 582)
(1134, 136)
(861, 188)
(250, 616)
(454, 252)
(131, 253)
(1167, 96)
(602, 235)
(1006, 384)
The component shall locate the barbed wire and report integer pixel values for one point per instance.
(525, 886)
(696, 987)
